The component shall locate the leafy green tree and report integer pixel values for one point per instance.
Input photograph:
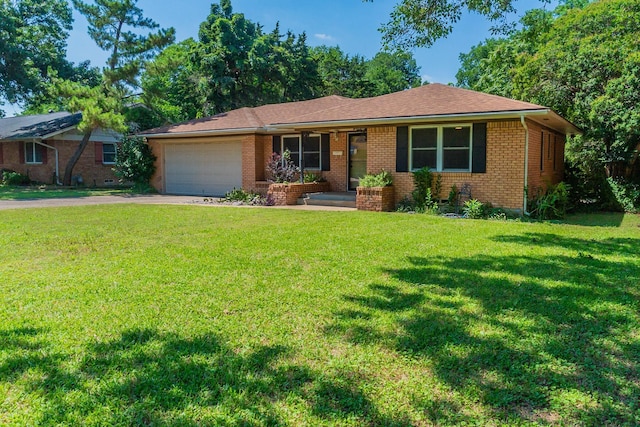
(581, 60)
(100, 109)
(42, 102)
(357, 77)
(342, 74)
(419, 23)
(393, 72)
(587, 70)
(115, 26)
(33, 38)
(170, 85)
(111, 25)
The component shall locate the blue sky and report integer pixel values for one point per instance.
(351, 24)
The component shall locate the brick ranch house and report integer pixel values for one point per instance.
(40, 146)
(497, 146)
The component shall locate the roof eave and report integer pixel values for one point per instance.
(219, 132)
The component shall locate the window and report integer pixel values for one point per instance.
(310, 148)
(441, 148)
(456, 148)
(108, 153)
(311, 152)
(32, 152)
(292, 143)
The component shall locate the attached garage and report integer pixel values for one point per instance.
(205, 169)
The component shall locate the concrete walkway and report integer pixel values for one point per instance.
(148, 199)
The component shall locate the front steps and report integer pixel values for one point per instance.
(338, 199)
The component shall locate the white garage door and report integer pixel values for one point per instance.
(203, 169)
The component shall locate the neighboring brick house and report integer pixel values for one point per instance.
(498, 146)
(40, 146)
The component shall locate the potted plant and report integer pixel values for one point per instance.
(284, 189)
(376, 193)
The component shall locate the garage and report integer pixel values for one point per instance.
(209, 169)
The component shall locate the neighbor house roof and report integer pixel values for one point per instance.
(431, 102)
(37, 126)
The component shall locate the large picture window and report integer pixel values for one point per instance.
(32, 152)
(441, 148)
(309, 147)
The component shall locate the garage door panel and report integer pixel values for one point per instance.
(203, 169)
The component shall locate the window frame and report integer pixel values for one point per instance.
(302, 152)
(33, 152)
(440, 149)
(115, 151)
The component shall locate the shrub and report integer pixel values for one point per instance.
(422, 180)
(437, 187)
(134, 160)
(626, 194)
(312, 177)
(452, 199)
(552, 203)
(282, 168)
(474, 209)
(240, 196)
(383, 179)
(10, 177)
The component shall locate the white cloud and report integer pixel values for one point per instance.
(428, 78)
(325, 37)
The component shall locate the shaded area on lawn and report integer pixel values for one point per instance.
(146, 377)
(533, 338)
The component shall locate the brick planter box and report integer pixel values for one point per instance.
(288, 194)
(376, 199)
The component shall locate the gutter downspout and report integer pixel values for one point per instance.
(56, 151)
(526, 164)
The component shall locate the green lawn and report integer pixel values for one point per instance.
(192, 315)
(24, 193)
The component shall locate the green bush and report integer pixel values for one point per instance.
(422, 180)
(240, 196)
(10, 177)
(626, 194)
(282, 169)
(552, 203)
(474, 209)
(383, 179)
(312, 177)
(134, 160)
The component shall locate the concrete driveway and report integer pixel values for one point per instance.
(151, 199)
(148, 199)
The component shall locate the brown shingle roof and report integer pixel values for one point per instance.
(428, 100)
(431, 100)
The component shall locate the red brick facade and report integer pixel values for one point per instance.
(502, 184)
(89, 166)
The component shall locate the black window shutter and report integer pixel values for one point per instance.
(276, 144)
(324, 152)
(479, 155)
(402, 149)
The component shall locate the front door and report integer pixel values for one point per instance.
(357, 158)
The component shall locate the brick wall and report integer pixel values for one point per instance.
(546, 157)
(92, 173)
(336, 177)
(502, 184)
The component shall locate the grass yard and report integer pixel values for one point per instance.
(35, 192)
(192, 315)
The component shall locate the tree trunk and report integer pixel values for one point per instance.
(68, 170)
